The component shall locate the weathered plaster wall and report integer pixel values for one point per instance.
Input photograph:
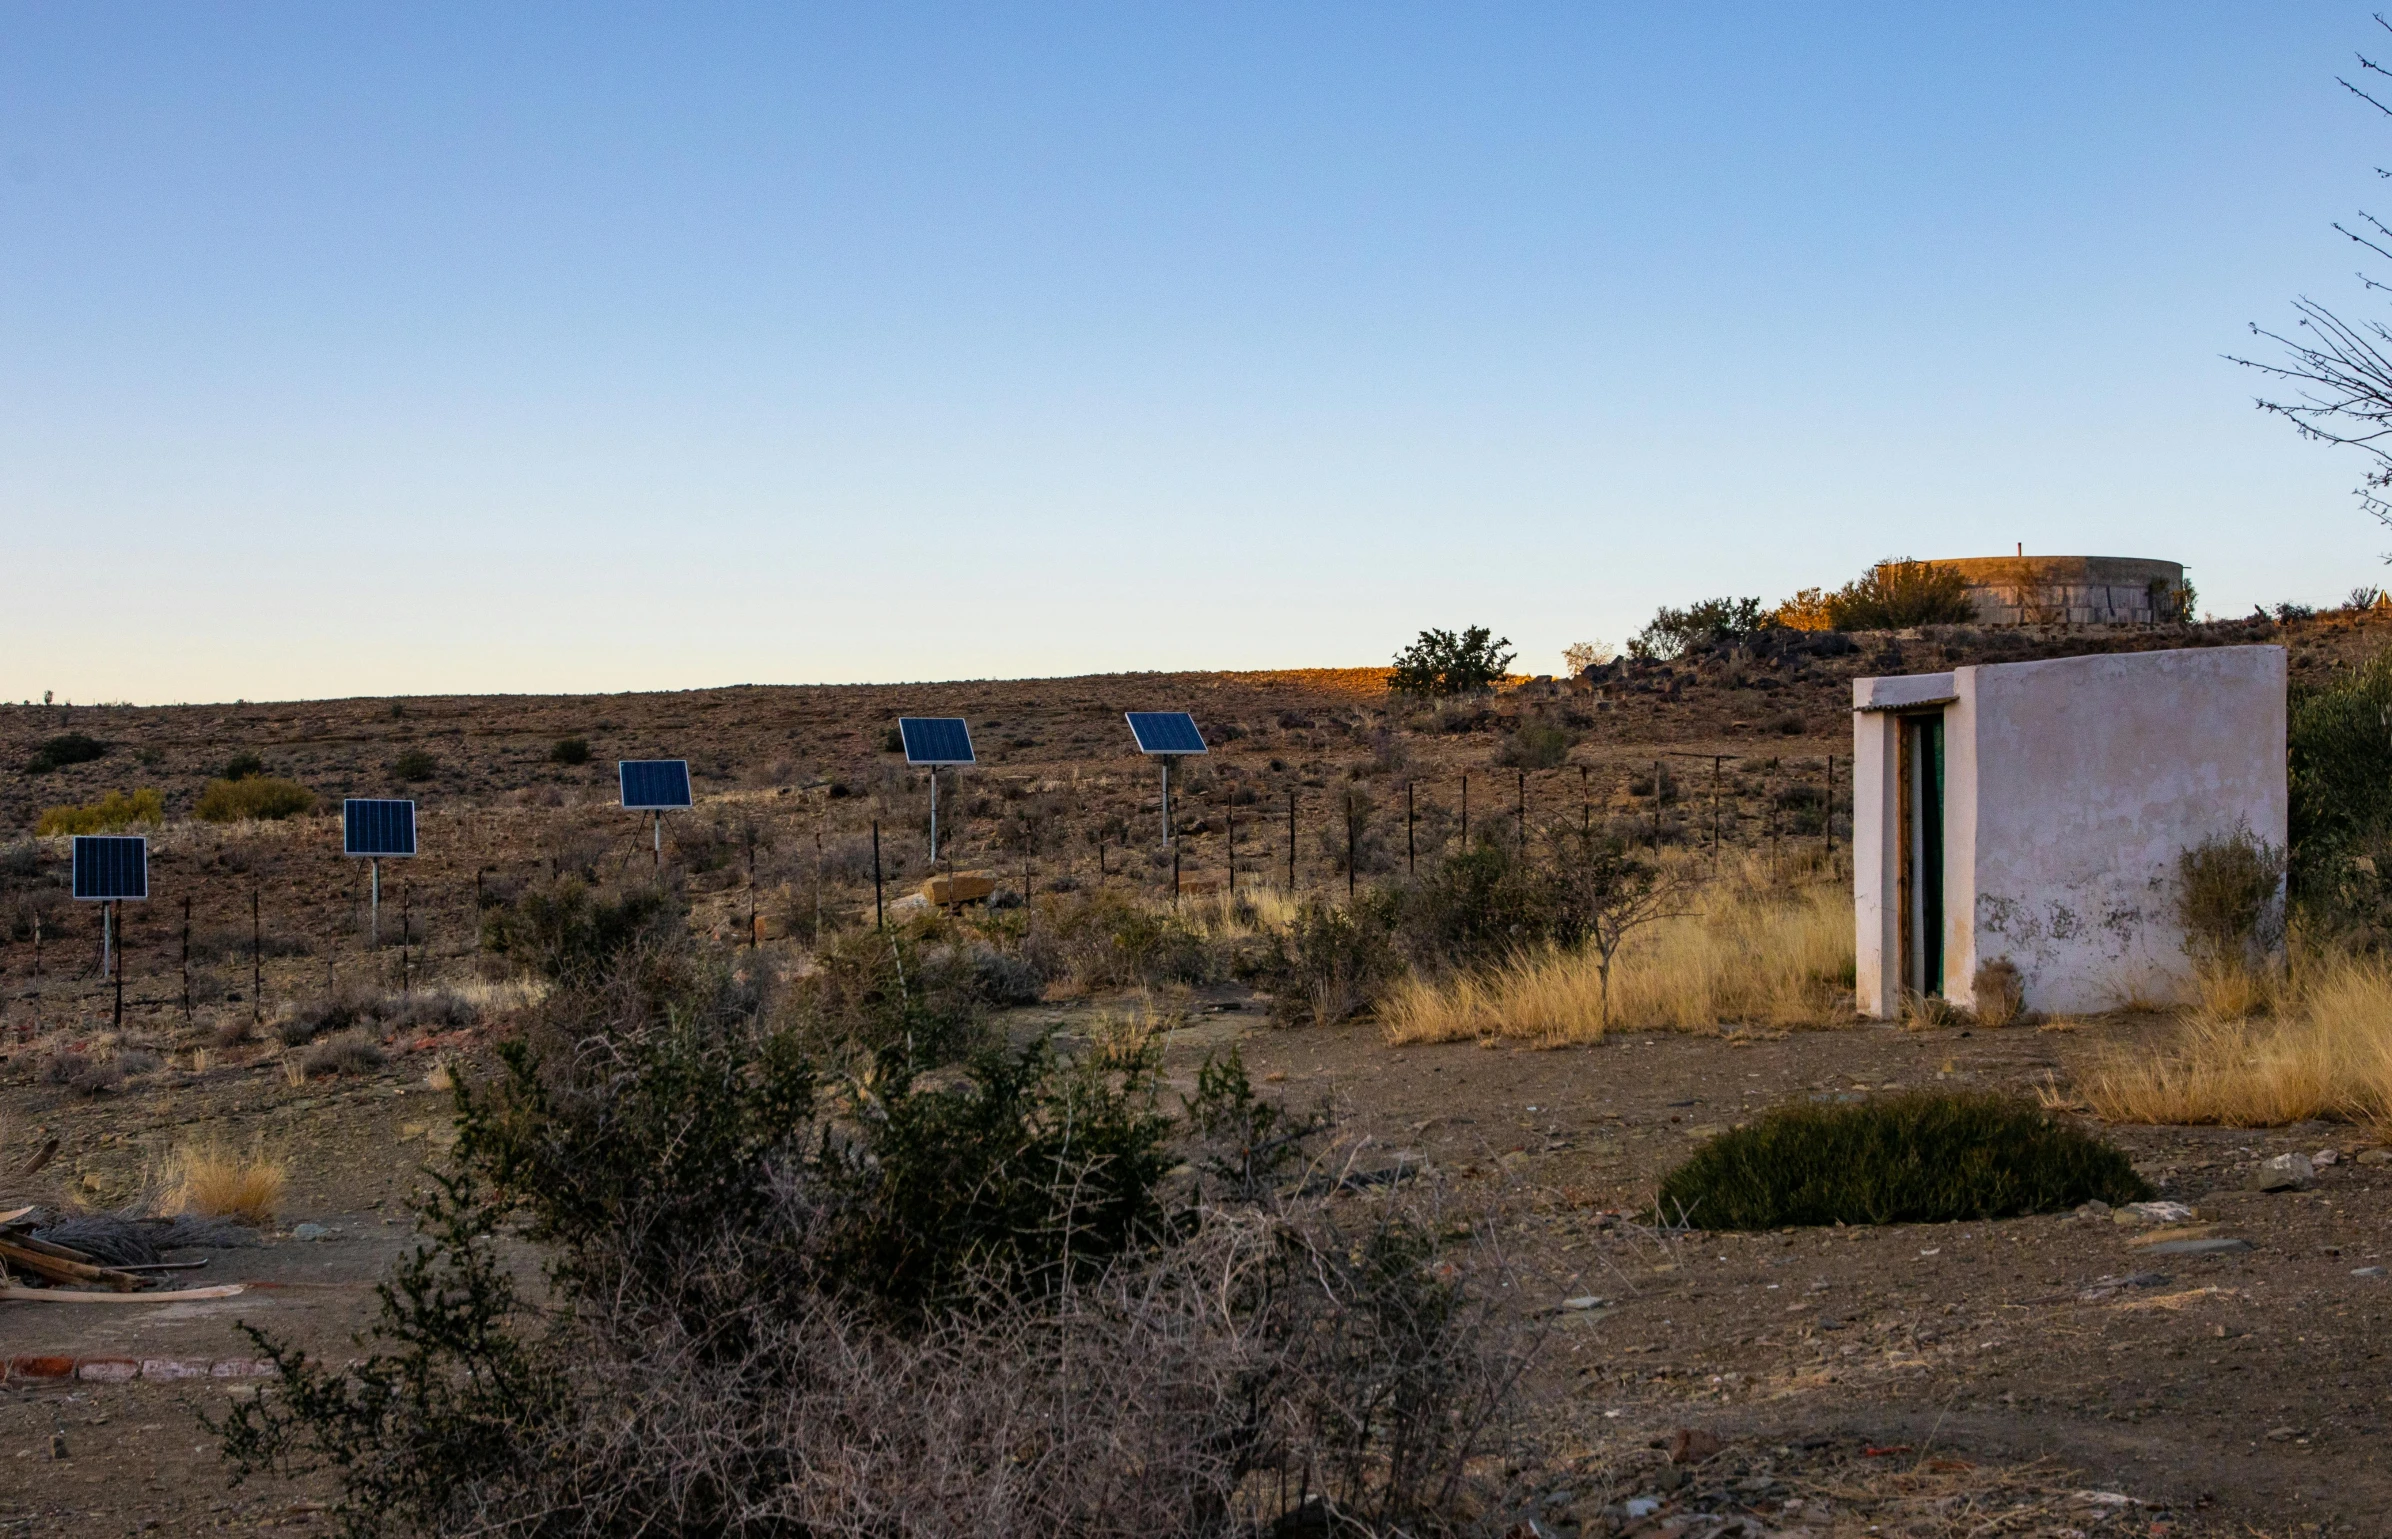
(2071, 787)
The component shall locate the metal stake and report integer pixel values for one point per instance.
(934, 815)
(1168, 837)
(108, 938)
(1465, 814)
(880, 915)
(257, 1006)
(1233, 843)
(1523, 812)
(1411, 847)
(1291, 842)
(120, 982)
(374, 931)
(186, 961)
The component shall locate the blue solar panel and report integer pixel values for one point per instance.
(111, 866)
(1165, 732)
(653, 784)
(375, 828)
(936, 740)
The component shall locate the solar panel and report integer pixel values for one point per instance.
(375, 828)
(111, 866)
(936, 740)
(651, 785)
(1165, 732)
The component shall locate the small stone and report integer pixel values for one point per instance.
(1637, 1506)
(1692, 1445)
(58, 1445)
(2283, 1434)
(2324, 1157)
(2367, 1271)
(2284, 1173)
(1583, 1301)
(2137, 1214)
(2375, 1156)
(2094, 1209)
(309, 1232)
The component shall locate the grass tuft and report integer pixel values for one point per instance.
(214, 1182)
(1922, 1158)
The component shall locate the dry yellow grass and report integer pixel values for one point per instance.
(2323, 1049)
(1751, 951)
(215, 1182)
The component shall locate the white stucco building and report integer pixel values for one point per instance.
(2035, 812)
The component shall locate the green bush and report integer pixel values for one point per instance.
(1441, 664)
(243, 765)
(569, 930)
(1330, 963)
(569, 750)
(1897, 594)
(67, 748)
(111, 814)
(890, 994)
(2229, 899)
(1536, 745)
(415, 764)
(1675, 632)
(2339, 740)
(1479, 907)
(1920, 1158)
(240, 798)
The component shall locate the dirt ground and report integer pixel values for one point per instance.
(2236, 1393)
(2047, 1375)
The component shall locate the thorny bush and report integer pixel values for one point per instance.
(967, 1297)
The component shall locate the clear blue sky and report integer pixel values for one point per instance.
(350, 350)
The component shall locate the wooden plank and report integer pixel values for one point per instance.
(78, 1296)
(57, 1269)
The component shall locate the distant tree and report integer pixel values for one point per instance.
(1442, 664)
(1609, 893)
(1675, 632)
(1579, 656)
(2340, 371)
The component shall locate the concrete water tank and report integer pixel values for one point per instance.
(2073, 590)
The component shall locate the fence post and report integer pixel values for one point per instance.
(186, 961)
(1411, 849)
(880, 915)
(1291, 842)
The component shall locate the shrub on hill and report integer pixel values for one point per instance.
(243, 765)
(264, 798)
(1675, 632)
(415, 764)
(1921, 1158)
(1441, 664)
(570, 750)
(111, 814)
(67, 748)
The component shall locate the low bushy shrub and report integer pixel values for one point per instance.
(1920, 1158)
(2230, 899)
(264, 798)
(569, 750)
(111, 814)
(415, 764)
(568, 928)
(243, 765)
(65, 749)
(778, 1305)
(1331, 962)
(347, 1052)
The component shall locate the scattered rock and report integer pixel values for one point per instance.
(2094, 1209)
(1692, 1445)
(1642, 1506)
(2136, 1214)
(2284, 1173)
(1583, 1301)
(310, 1232)
(2367, 1271)
(2324, 1157)
(2375, 1156)
(2283, 1434)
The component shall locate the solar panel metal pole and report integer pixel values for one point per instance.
(108, 939)
(120, 980)
(374, 923)
(1167, 838)
(934, 815)
(659, 839)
